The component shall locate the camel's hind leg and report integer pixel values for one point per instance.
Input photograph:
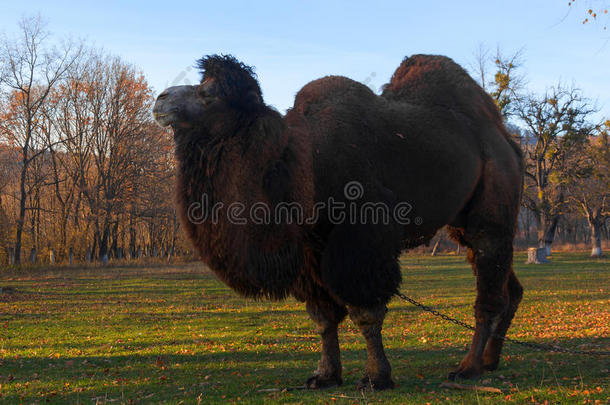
(493, 349)
(487, 228)
(491, 256)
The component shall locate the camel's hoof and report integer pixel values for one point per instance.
(378, 384)
(317, 382)
(470, 373)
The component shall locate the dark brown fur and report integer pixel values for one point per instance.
(433, 139)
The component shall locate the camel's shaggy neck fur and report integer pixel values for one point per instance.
(226, 159)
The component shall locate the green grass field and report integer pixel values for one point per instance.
(177, 335)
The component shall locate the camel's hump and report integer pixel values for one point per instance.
(329, 90)
(435, 80)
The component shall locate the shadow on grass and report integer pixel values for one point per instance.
(138, 378)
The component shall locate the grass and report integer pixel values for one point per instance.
(177, 335)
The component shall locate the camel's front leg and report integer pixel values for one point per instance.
(327, 316)
(378, 373)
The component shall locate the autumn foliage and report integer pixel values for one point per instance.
(86, 173)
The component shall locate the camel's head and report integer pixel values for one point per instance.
(227, 85)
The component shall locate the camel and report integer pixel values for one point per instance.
(430, 151)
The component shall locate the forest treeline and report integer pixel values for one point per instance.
(85, 173)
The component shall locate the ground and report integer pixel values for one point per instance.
(177, 335)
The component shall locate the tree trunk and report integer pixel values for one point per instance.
(20, 218)
(114, 237)
(546, 232)
(176, 225)
(526, 225)
(36, 214)
(33, 221)
(3, 227)
(63, 233)
(103, 255)
(132, 237)
(94, 247)
(596, 237)
(11, 256)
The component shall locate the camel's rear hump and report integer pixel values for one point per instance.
(434, 80)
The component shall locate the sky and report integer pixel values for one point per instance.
(292, 43)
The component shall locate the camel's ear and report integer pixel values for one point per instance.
(234, 81)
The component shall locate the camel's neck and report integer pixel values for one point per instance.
(210, 158)
(254, 165)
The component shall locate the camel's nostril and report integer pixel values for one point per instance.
(163, 95)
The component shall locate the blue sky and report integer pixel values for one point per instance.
(293, 43)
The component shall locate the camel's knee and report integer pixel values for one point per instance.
(368, 318)
(515, 290)
(490, 308)
(493, 271)
(326, 315)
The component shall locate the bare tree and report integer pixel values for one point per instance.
(121, 146)
(31, 68)
(499, 76)
(69, 141)
(590, 193)
(83, 166)
(558, 127)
